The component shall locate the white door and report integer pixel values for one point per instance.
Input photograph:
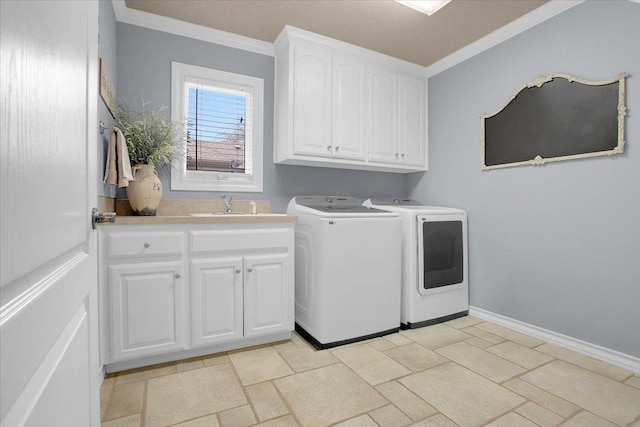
(216, 300)
(348, 121)
(266, 299)
(147, 309)
(411, 121)
(49, 367)
(383, 116)
(311, 101)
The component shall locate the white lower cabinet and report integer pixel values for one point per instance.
(216, 300)
(209, 288)
(147, 308)
(266, 300)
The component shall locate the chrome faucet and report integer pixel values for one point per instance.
(228, 198)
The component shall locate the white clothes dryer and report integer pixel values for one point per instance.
(435, 281)
(347, 270)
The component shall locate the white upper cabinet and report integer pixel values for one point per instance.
(348, 109)
(342, 106)
(311, 101)
(411, 121)
(383, 116)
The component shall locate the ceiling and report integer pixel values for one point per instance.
(380, 25)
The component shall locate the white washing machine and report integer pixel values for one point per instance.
(347, 270)
(435, 280)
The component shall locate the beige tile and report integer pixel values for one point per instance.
(326, 395)
(383, 345)
(208, 421)
(145, 373)
(397, 339)
(436, 336)
(463, 322)
(266, 401)
(415, 357)
(389, 416)
(406, 401)
(486, 364)
(539, 415)
(519, 354)
(286, 345)
(371, 364)
(633, 382)
(436, 421)
(479, 342)
(130, 421)
(512, 420)
(126, 400)
(462, 395)
(186, 395)
(286, 421)
(188, 365)
(612, 400)
(299, 341)
(106, 391)
(486, 336)
(216, 359)
(542, 398)
(509, 334)
(586, 362)
(361, 421)
(260, 364)
(304, 358)
(237, 417)
(586, 419)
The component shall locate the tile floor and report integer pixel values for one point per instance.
(465, 372)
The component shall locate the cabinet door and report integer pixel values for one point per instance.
(311, 101)
(383, 116)
(147, 309)
(216, 300)
(348, 118)
(411, 113)
(267, 294)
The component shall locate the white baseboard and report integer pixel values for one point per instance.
(597, 352)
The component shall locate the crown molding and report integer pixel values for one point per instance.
(139, 18)
(502, 34)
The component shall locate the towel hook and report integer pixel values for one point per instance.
(103, 127)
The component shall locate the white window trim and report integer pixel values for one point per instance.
(183, 179)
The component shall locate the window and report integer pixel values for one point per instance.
(224, 115)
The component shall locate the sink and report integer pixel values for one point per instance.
(234, 213)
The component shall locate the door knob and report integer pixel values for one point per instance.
(101, 217)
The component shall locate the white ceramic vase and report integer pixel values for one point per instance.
(145, 191)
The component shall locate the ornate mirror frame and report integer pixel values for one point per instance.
(538, 159)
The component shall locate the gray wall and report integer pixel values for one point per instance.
(557, 246)
(144, 72)
(106, 51)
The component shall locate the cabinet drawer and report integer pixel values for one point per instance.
(120, 245)
(238, 240)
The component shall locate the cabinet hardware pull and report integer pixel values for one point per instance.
(238, 271)
(337, 148)
(146, 245)
(328, 148)
(177, 276)
(402, 155)
(249, 270)
(396, 155)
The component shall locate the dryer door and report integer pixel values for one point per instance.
(441, 252)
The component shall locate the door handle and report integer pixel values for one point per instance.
(101, 217)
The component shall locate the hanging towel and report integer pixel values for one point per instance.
(118, 166)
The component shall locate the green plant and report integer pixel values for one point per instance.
(151, 138)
